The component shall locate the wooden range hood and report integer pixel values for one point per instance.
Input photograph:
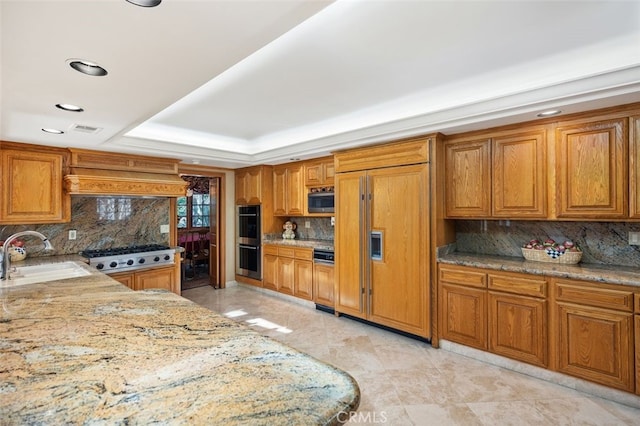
(103, 173)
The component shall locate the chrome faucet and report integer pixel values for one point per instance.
(5, 257)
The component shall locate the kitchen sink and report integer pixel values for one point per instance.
(42, 273)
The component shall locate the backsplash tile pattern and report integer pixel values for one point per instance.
(101, 222)
(601, 242)
(319, 229)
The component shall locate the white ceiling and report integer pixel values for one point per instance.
(239, 82)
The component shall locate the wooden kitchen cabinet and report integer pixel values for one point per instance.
(518, 317)
(468, 178)
(519, 175)
(288, 190)
(250, 184)
(594, 332)
(319, 172)
(463, 305)
(159, 277)
(592, 169)
(32, 185)
(288, 270)
(637, 333)
(634, 168)
(323, 284)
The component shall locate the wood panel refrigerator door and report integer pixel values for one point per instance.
(398, 252)
(349, 297)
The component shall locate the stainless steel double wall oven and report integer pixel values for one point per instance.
(248, 242)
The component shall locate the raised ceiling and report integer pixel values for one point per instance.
(236, 83)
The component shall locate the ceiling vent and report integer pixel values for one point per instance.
(85, 129)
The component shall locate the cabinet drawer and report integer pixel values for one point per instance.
(304, 254)
(286, 251)
(270, 249)
(536, 287)
(463, 276)
(588, 294)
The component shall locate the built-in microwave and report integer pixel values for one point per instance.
(321, 202)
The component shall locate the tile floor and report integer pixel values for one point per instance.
(404, 381)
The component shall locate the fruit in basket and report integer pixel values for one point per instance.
(14, 243)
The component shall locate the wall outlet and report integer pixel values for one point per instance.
(307, 224)
(72, 234)
(164, 229)
(634, 238)
(333, 221)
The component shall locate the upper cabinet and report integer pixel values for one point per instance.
(288, 190)
(467, 178)
(32, 185)
(501, 176)
(585, 167)
(592, 169)
(319, 172)
(251, 182)
(634, 168)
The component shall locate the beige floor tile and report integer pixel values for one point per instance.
(405, 381)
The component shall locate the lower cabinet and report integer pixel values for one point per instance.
(594, 332)
(637, 329)
(323, 284)
(584, 329)
(160, 277)
(288, 270)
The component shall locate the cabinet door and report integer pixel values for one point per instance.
(329, 170)
(313, 174)
(518, 327)
(286, 274)
(295, 190)
(241, 183)
(634, 169)
(596, 344)
(323, 284)
(163, 278)
(519, 176)
(637, 329)
(349, 244)
(398, 207)
(126, 278)
(280, 191)
(592, 170)
(32, 190)
(303, 279)
(467, 179)
(463, 315)
(253, 186)
(270, 272)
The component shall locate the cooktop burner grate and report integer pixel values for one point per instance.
(119, 251)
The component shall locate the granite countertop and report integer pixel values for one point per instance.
(316, 244)
(610, 274)
(90, 350)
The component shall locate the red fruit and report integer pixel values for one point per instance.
(17, 243)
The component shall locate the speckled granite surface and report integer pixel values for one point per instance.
(90, 351)
(611, 274)
(317, 244)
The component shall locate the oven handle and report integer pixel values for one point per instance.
(324, 262)
(247, 247)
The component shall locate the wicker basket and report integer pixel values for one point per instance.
(567, 258)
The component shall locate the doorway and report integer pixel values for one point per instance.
(199, 223)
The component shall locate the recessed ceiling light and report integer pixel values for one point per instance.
(145, 3)
(70, 107)
(53, 131)
(549, 113)
(86, 67)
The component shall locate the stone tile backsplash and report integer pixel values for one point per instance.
(101, 222)
(601, 242)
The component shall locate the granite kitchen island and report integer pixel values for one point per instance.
(89, 350)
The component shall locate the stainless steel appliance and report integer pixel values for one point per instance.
(129, 258)
(321, 202)
(323, 256)
(248, 240)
